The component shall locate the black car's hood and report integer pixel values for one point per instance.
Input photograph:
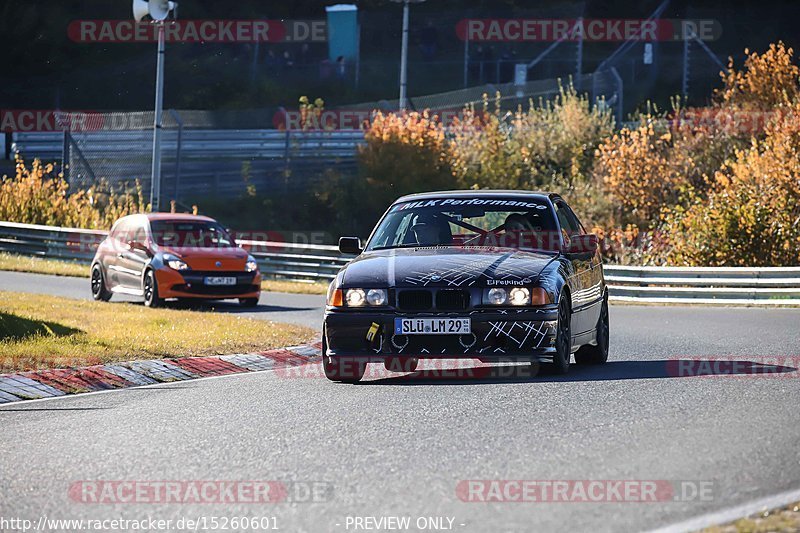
(445, 267)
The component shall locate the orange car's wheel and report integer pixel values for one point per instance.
(150, 289)
(99, 290)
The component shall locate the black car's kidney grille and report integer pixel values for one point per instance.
(415, 300)
(452, 299)
(423, 299)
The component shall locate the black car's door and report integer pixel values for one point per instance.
(585, 304)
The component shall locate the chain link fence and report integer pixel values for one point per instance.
(204, 153)
(224, 154)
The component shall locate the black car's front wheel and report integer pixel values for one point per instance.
(563, 345)
(99, 290)
(341, 369)
(596, 354)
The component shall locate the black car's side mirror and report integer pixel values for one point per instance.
(582, 245)
(350, 245)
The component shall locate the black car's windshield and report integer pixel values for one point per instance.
(496, 222)
(190, 234)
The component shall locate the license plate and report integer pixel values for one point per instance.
(216, 281)
(432, 326)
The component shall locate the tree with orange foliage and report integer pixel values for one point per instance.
(641, 172)
(404, 153)
(769, 80)
(751, 216)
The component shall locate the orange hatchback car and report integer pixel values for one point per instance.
(163, 256)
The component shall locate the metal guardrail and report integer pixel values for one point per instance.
(309, 262)
(199, 144)
(764, 286)
(301, 262)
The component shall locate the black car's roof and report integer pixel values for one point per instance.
(482, 193)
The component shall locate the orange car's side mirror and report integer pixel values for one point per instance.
(135, 246)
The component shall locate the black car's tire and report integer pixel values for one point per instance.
(561, 357)
(248, 302)
(99, 290)
(343, 369)
(401, 364)
(150, 289)
(596, 354)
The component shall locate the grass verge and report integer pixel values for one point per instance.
(294, 287)
(38, 265)
(776, 520)
(39, 331)
(54, 267)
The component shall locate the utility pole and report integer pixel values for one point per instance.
(404, 60)
(404, 55)
(159, 11)
(155, 184)
(579, 59)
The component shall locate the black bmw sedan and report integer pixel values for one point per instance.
(498, 276)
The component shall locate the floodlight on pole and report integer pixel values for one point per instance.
(158, 10)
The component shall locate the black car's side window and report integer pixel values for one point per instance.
(567, 220)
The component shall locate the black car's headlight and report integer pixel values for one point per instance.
(515, 296)
(175, 262)
(358, 297)
(251, 265)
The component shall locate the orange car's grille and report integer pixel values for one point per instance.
(197, 276)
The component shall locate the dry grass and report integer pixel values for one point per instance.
(37, 265)
(294, 287)
(786, 519)
(38, 331)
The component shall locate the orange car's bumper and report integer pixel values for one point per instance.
(173, 284)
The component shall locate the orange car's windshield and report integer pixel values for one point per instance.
(179, 234)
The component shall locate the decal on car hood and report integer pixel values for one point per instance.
(447, 267)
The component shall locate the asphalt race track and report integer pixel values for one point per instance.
(399, 445)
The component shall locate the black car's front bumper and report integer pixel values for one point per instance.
(498, 335)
